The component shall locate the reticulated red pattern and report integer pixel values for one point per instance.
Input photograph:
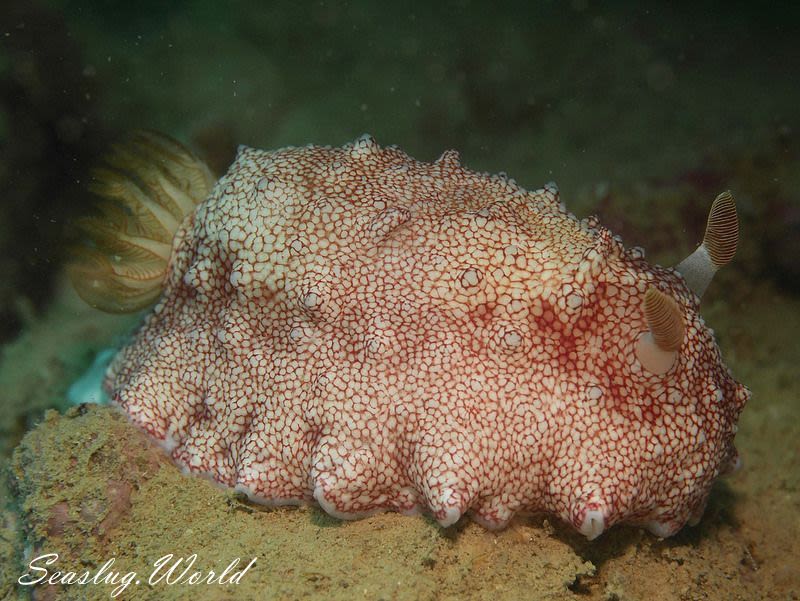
(354, 326)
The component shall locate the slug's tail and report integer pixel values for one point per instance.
(148, 184)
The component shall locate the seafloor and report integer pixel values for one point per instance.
(641, 115)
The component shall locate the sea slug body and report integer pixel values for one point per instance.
(359, 328)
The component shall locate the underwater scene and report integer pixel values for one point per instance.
(428, 301)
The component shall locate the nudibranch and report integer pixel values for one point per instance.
(354, 327)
